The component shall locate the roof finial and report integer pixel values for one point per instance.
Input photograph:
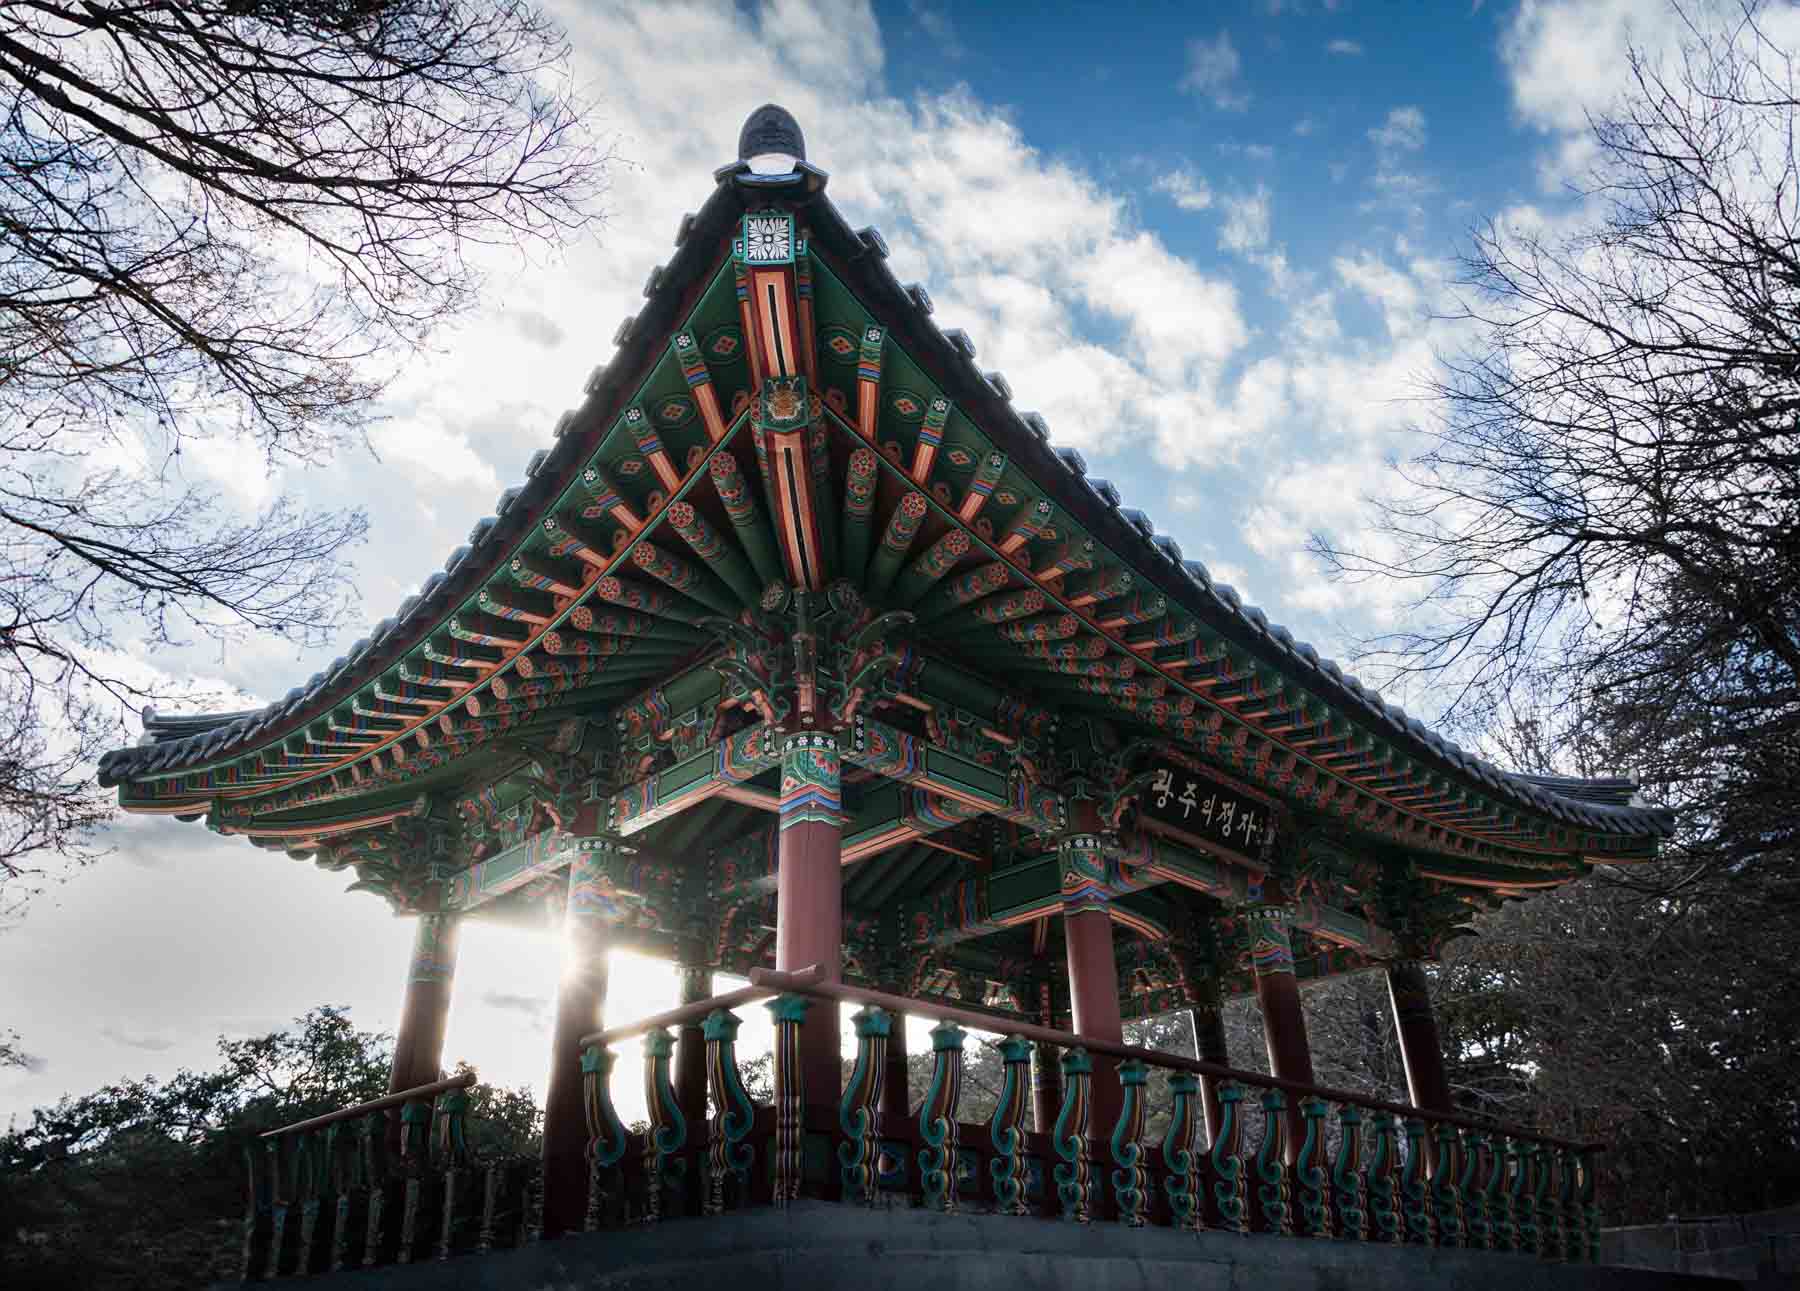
(771, 132)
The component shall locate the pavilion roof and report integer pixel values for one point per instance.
(178, 745)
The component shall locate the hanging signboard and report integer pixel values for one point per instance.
(1200, 806)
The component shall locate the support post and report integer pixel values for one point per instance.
(580, 1000)
(809, 901)
(419, 1039)
(1094, 992)
(695, 981)
(1421, 1048)
(1210, 1045)
(1284, 1022)
(896, 1102)
(1046, 1065)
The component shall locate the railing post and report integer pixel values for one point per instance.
(259, 1212)
(859, 1107)
(372, 1137)
(415, 1158)
(1130, 1180)
(503, 1205)
(1415, 1194)
(1272, 1190)
(1543, 1173)
(1226, 1159)
(663, 1166)
(937, 1118)
(1590, 1206)
(1311, 1207)
(1069, 1138)
(1446, 1187)
(459, 1219)
(1568, 1217)
(306, 1193)
(789, 1012)
(343, 1151)
(1180, 1155)
(733, 1116)
(606, 1134)
(1349, 1191)
(1006, 1129)
(1384, 1182)
(278, 1155)
(1477, 1189)
(1524, 1197)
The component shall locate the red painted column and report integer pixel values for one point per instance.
(1284, 1022)
(1094, 996)
(809, 895)
(1421, 1047)
(580, 1003)
(419, 1039)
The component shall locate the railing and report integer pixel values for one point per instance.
(341, 1191)
(1382, 1172)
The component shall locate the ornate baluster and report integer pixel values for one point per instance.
(1543, 1181)
(1384, 1183)
(859, 1108)
(1006, 1129)
(343, 1149)
(1312, 1207)
(1476, 1182)
(458, 1179)
(415, 1159)
(502, 1199)
(1226, 1159)
(1524, 1197)
(1069, 1137)
(937, 1118)
(1180, 1151)
(372, 1142)
(789, 1011)
(668, 1127)
(606, 1133)
(733, 1113)
(1349, 1191)
(259, 1210)
(1415, 1196)
(1446, 1188)
(1590, 1205)
(1130, 1180)
(306, 1196)
(1568, 1217)
(279, 1156)
(1272, 1188)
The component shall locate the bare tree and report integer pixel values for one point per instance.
(1609, 511)
(225, 219)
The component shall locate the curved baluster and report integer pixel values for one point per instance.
(728, 1156)
(1415, 1196)
(307, 1168)
(278, 1158)
(1384, 1183)
(1131, 1181)
(1568, 1219)
(1272, 1187)
(606, 1133)
(1446, 1185)
(452, 1157)
(372, 1144)
(1069, 1137)
(1006, 1129)
(668, 1127)
(1476, 1184)
(1590, 1205)
(1312, 1207)
(343, 1151)
(1543, 1182)
(1180, 1151)
(1524, 1197)
(259, 1210)
(858, 1109)
(415, 1159)
(937, 1118)
(1349, 1191)
(788, 1012)
(1226, 1159)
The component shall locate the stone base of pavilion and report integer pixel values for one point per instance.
(821, 1246)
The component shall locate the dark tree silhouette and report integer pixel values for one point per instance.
(225, 220)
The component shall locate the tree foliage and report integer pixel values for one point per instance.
(141, 1183)
(222, 226)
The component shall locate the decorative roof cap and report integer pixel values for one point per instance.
(771, 129)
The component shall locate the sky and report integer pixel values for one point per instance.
(1213, 244)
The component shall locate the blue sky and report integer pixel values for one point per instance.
(1207, 242)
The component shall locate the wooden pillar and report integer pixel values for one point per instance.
(580, 1004)
(1421, 1047)
(419, 1040)
(1094, 996)
(1284, 1022)
(696, 982)
(809, 895)
(896, 1103)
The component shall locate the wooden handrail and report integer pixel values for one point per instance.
(381, 1104)
(772, 981)
(807, 976)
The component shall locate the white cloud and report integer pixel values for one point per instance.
(1246, 226)
(936, 24)
(1305, 126)
(1212, 73)
(1186, 188)
(1403, 131)
(1346, 48)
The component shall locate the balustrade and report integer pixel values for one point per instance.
(327, 1195)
